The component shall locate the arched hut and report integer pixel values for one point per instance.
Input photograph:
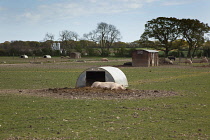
(102, 74)
(47, 56)
(23, 56)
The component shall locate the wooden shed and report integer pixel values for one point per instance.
(75, 55)
(145, 58)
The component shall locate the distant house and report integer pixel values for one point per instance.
(75, 55)
(23, 56)
(145, 58)
(56, 46)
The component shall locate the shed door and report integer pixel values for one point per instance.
(92, 76)
(152, 59)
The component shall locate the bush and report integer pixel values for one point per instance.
(120, 52)
(78, 49)
(123, 52)
(174, 53)
(105, 53)
(130, 51)
(91, 52)
(206, 52)
(177, 53)
(161, 54)
(2, 52)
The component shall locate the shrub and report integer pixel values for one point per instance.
(120, 51)
(105, 52)
(206, 52)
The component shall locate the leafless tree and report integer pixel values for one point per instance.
(49, 36)
(67, 37)
(105, 35)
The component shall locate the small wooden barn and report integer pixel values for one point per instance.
(145, 58)
(75, 55)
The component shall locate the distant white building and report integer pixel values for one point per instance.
(56, 46)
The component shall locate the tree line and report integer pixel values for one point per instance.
(170, 31)
(162, 33)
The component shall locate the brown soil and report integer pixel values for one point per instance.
(93, 93)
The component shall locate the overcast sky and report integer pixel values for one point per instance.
(30, 20)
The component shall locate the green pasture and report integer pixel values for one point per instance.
(32, 59)
(184, 116)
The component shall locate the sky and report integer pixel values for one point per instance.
(31, 20)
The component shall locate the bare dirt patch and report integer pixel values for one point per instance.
(93, 93)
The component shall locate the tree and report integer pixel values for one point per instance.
(33, 44)
(120, 44)
(206, 48)
(193, 32)
(91, 36)
(45, 48)
(68, 35)
(49, 36)
(145, 43)
(105, 35)
(134, 44)
(4, 47)
(180, 44)
(120, 48)
(19, 47)
(113, 35)
(164, 29)
(68, 38)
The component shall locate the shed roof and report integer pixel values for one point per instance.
(75, 53)
(151, 50)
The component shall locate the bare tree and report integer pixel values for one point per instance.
(49, 36)
(114, 36)
(74, 36)
(105, 35)
(67, 37)
(91, 36)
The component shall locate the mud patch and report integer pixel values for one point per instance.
(96, 93)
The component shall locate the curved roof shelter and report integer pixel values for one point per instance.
(23, 56)
(102, 74)
(47, 56)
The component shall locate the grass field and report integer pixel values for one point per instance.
(185, 116)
